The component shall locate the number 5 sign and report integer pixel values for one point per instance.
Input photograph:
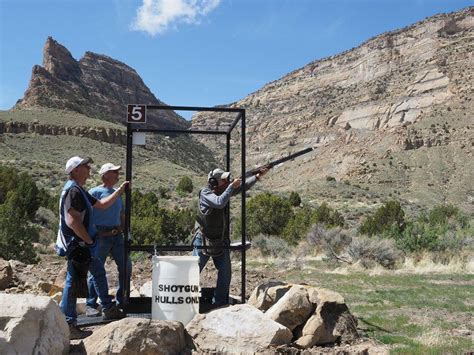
(136, 113)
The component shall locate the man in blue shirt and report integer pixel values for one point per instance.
(110, 239)
(76, 241)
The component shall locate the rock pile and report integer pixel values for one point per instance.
(278, 315)
(316, 316)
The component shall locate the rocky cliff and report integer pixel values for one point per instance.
(96, 86)
(393, 116)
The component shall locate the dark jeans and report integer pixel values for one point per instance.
(224, 271)
(109, 245)
(96, 268)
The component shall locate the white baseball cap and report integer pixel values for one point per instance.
(74, 162)
(107, 167)
(218, 174)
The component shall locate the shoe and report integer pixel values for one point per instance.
(92, 312)
(75, 333)
(113, 312)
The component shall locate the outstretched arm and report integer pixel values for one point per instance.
(106, 202)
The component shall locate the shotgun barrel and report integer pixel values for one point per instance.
(274, 163)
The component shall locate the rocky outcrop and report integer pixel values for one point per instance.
(32, 325)
(137, 336)
(96, 86)
(109, 135)
(361, 103)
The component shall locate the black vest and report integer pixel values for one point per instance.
(214, 223)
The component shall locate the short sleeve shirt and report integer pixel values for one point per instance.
(75, 199)
(109, 217)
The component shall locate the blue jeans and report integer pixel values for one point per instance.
(106, 245)
(68, 301)
(224, 271)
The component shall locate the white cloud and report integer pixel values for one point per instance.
(157, 16)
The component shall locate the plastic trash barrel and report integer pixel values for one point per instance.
(175, 290)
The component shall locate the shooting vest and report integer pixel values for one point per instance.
(213, 223)
(67, 240)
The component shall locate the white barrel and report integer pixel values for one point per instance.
(175, 290)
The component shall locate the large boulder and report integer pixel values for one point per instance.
(331, 321)
(267, 294)
(236, 329)
(293, 309)
(32, 325)
(6, 274)
(137, 336)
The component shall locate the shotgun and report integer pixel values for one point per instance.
(274, 163)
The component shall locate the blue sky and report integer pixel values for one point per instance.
(197, 52)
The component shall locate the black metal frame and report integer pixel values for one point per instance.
(135, 304)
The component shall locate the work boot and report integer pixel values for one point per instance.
(92, 312)
(76, 333)
(113, 312)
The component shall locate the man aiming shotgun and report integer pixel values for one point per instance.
(210, 230)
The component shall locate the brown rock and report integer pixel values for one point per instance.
(6, 274)
(137, 336)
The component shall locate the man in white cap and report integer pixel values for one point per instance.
(109, 224)
(76, 241)
(211, 230)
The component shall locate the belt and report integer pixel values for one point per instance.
(110, 232)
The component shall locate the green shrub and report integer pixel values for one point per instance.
(28, 194)
(444, 214)
(147, 230)
(444, 228)
(144, 205)
(48, 201)
(19, 201)
(268, 214)
(164, 192)
(390, 216)
(327, 216)
(16, 235)
(298, 225)
(185, 185)
(295, 199)
(154, 225)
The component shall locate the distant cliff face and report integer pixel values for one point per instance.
(96, 86)
(393, 115)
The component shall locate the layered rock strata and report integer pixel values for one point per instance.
(96, 86)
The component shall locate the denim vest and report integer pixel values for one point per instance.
(67, 240)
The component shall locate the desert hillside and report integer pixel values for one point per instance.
(390, 118)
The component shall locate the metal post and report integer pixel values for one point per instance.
(128, 199)
(244, 226)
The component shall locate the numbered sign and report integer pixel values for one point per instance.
(136, 114)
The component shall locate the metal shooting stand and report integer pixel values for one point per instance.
(137, 114)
